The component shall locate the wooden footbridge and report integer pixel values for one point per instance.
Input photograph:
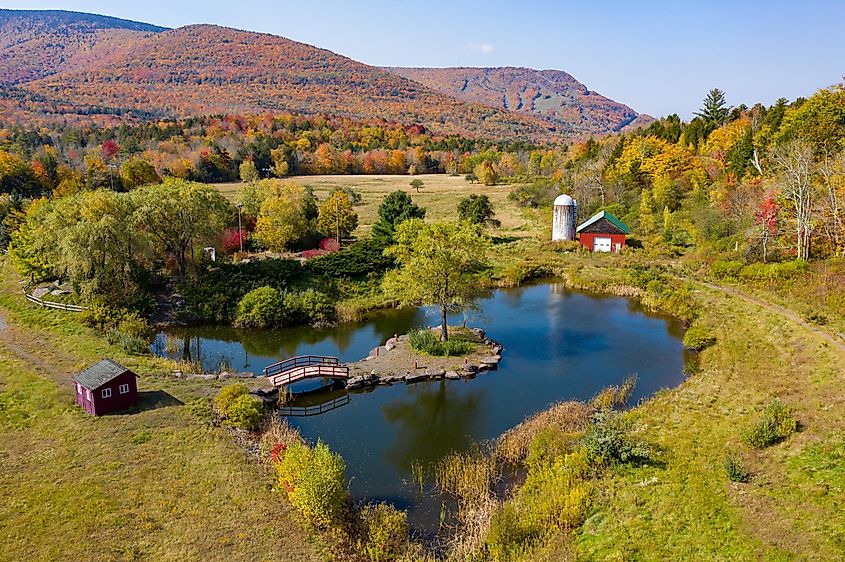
(305, 367)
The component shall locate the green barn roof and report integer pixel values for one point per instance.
(604, 215)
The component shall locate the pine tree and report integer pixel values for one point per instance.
(715, 109)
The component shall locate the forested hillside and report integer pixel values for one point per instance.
(35, 44)
(69, 64)
(57, 65)
(552, 95)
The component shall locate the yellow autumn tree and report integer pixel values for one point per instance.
(285, 216)
(336, 218)
(722, 140)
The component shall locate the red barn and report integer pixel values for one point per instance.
(603, 233)
(105, 387)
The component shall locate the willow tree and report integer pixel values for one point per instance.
(441, 264)
(180, 216)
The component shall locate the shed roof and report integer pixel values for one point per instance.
(604, 215)
(99, 374)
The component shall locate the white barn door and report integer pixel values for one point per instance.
(601, 245)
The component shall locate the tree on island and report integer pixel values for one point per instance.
(440, 264)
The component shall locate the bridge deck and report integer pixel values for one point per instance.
(305, 367)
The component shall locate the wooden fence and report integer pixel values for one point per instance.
(50, 304)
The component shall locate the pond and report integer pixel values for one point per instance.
(559, 345)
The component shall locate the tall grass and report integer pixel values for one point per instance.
(513, 445)
(468, 476)
(426, 341)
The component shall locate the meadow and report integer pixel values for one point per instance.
(439, 196)
(161, 483)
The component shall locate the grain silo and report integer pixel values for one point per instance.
(565, 218)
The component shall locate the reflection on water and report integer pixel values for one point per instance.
(559, 345)
(433, 411)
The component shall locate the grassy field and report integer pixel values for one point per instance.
(684, 507)
(156, 484)
(440, 197)
(159, 484)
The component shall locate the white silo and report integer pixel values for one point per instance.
(565, 218)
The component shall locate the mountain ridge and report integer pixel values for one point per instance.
(78, 61)
(550, 94)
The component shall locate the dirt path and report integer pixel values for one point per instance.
(9, 343)
(777, 309)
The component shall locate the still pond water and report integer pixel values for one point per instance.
(559, 345)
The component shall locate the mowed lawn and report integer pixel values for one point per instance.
(439, 196)
(158, 483)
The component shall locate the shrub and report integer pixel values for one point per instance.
(541, 193)
(518, 273)
(554, 497)
(245, 412)
(124, 328)
(761, 435)
(215, 296)
(514, 445)
(726, 269)
(260, 308)
(137, 327)
(315, 481)
(277, 432)
(307, 307)
(384, 532)
(735, 471)
(547, 445)
(777, 424)
(329, 245)
(608, 440)
(508, 538)
(785, 422)
(698, 337)
(426, 341)
(227, 396)
(773, 271)
(230, 240)
(127, 343)
(359, 259)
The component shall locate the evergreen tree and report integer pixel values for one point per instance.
(477, 209)
(395, 209)
(715, 109)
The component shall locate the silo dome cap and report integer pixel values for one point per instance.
(564, 201)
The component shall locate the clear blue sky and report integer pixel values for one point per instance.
(657, 57)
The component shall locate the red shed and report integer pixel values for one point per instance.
(105, 387)
(603, 233)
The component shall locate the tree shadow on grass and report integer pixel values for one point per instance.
(504, 239)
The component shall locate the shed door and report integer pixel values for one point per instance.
(601, 245)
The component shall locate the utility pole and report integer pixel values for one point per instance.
(240, 229)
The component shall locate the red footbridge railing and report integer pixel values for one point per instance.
(305, 367)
